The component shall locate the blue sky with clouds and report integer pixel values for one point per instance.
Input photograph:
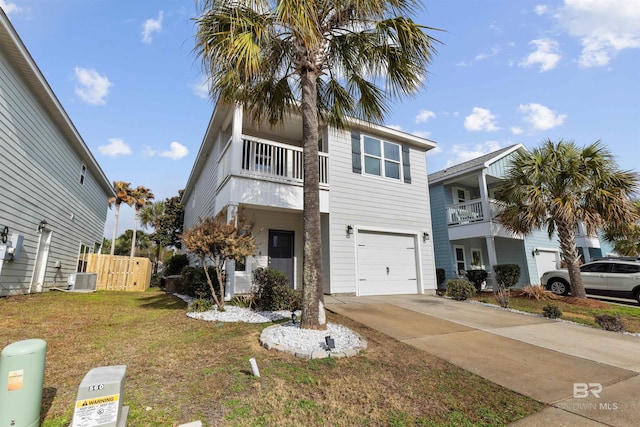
(508, 72)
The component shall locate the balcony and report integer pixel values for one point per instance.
(471, 211)
(266, 173)
(276, 161)
(466, 220)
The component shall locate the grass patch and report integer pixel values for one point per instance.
(577, 310)
(180, 369)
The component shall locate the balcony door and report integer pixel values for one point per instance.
(281, 253)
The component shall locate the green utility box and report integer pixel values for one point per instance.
(21, 380)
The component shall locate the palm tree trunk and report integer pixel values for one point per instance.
(115, 229)
(133, 237)
(566, 235)
(313, 315)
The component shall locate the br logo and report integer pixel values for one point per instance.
(582, 390)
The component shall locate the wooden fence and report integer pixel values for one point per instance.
(120, 273)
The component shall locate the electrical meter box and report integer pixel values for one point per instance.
(100, 396)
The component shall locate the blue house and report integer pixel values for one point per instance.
(467, 235)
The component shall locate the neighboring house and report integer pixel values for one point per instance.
(54, 194)
(467, 235)
(376, 237)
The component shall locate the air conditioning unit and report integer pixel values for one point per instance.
(82, 282)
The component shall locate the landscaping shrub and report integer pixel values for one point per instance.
(460, 289)
(156, 281)
(536, 291)
(507, 275)
(503, 296)
(271, 291)
(610, 323)
(175, 264)
(477, 277)
(200, 305)
(551, 311)
(193, 282)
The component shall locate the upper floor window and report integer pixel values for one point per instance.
(381, 158)
(83, 174)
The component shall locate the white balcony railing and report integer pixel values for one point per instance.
(471, 211)
(280, 161)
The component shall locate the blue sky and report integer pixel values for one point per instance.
(508, 72)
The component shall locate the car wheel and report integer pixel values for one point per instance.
(558, 286)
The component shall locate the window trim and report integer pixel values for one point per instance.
(382, 159)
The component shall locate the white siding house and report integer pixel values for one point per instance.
(376, 236)
(47, 175)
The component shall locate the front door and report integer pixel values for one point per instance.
(281, 253)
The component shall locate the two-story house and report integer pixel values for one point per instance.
(376, 230)
(54, 194)
(467, 234)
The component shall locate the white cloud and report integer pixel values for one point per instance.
(115, 147)
(396, 127)
(604, 28)
(494, 51)
(151, 26)
(516, 130)
(541, 9)
(9, 8)
(200, 88)
(93, 88)
(541, 117)
(546, 54)
(424, 116)
(463, 153)
(149, 152)
(480, 119)
(176, 152)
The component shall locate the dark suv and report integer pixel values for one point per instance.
(614, 277)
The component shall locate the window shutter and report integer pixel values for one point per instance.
(406, 166)
(356, 155)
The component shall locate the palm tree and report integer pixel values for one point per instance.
(142, 196)
(123, 195)
(329, 59)
(152, 216)
(560, 185)
(626, 240)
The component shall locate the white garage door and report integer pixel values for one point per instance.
(545, 261)
(386, 264)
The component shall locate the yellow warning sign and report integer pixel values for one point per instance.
(97, 401)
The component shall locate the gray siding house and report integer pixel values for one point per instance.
(467, 235)
(54, 194)
(376, 230)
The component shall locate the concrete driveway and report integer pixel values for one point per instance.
(587, 376)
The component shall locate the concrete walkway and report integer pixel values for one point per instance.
(558, 363)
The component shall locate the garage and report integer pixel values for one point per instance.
(546, 260)
(386, 264)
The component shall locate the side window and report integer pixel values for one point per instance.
(598, 267)
(83, 174)
(626, 268)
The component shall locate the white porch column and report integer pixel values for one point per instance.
(235, 160)
(493, 260)
(484, 196)
(230, 266)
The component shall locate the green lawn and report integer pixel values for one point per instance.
(180, 369)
